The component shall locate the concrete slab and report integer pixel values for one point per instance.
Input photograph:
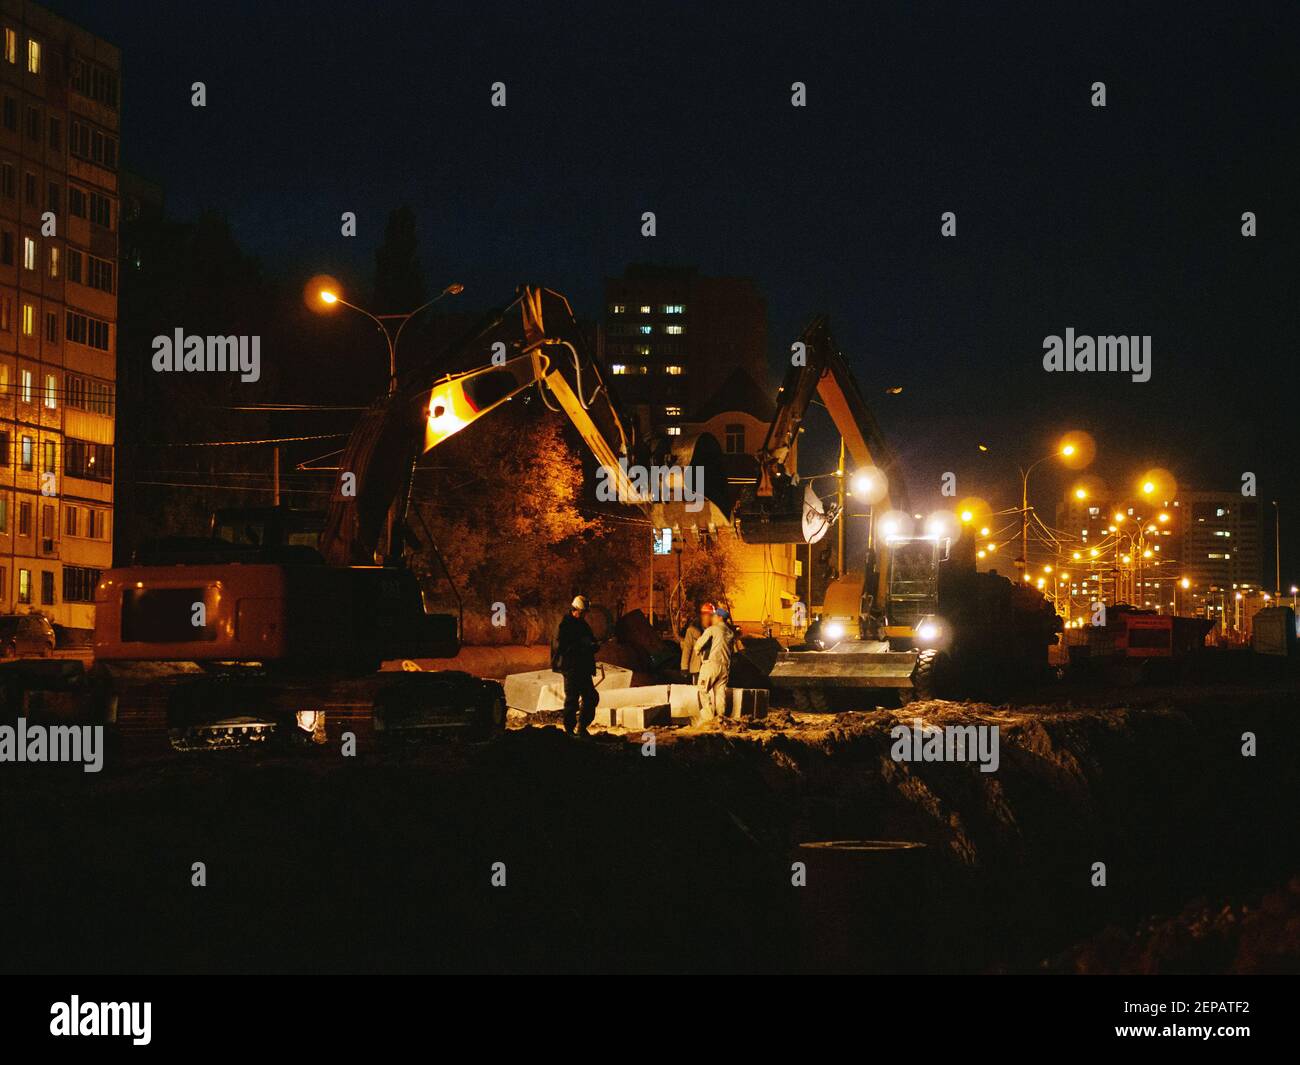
(543, 689)
(636, 718)
(747, 702)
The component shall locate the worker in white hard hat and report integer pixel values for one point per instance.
(715, 671)
(573, 656)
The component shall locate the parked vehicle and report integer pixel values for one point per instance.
(25, 636)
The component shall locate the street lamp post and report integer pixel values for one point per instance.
(1066, 450)
(330, 297)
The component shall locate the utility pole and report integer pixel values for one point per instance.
(1277, 549)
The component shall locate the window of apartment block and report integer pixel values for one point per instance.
(74, 265)
(79, 583)
(94, 462)
(56, 135)
(24, 519)
(47, 522)
(52, 327)
(82, 329)
(95, 524)
(51, 392)
(27, 457)
(47, 587)
(29, 321)
(8, 184)
(25, 385)
(53, 201)
(76, 201)
(99, 273)
(29, 190)
(7, 248)
(54, 261)
(4, 525)
(101, 210)
(735, 439)
(24, 586)
(69, 524)
(34, 124)
(4, 450)
(10, 113)
(33, 56)
(11, 46)
(29, 253)
(6, 314)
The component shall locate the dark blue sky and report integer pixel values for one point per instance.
(1117, 220)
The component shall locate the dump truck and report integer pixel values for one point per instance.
(917, 617)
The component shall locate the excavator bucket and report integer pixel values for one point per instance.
(859, 664)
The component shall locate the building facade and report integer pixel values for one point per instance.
(672, 337)
(60, 91)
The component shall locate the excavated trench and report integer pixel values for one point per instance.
(536, 853)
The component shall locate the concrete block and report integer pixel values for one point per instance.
(637, 718)
(684, 701)
(747, 702)
(543, 689)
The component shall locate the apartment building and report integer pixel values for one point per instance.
(60, 100)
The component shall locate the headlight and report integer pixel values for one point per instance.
(927, 631)
(833, 631)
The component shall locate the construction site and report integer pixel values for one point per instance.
(910, 770)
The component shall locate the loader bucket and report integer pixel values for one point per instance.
(849, 668)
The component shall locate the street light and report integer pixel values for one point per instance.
(330, 298)
(1067, 449)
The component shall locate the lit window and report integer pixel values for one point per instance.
(647, 329)
(674, 430)
(674, 330)
(673, 412)
(617, 308)
(24, 586)
(29, 321)
(27, 453)
(25, 386)
(673, 371)
(618, 368)
(643, 349)
(29, 253)
(11, 46)
(645, 308)
(33, 57)
(54, 262)
(51, 391)
(674, 308)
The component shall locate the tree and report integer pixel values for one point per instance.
(505, 503)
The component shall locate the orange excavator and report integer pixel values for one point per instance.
(277, 624)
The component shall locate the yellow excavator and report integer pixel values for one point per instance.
(277, 624)
(915, 617)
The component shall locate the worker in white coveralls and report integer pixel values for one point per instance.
(716, 667)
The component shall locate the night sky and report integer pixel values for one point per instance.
(1124, 219)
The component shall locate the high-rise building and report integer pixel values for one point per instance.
(61, 97)
(672, 337)
(1186, 555)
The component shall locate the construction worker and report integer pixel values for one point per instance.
(715, 646)
(573, 655)
(692, 659)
